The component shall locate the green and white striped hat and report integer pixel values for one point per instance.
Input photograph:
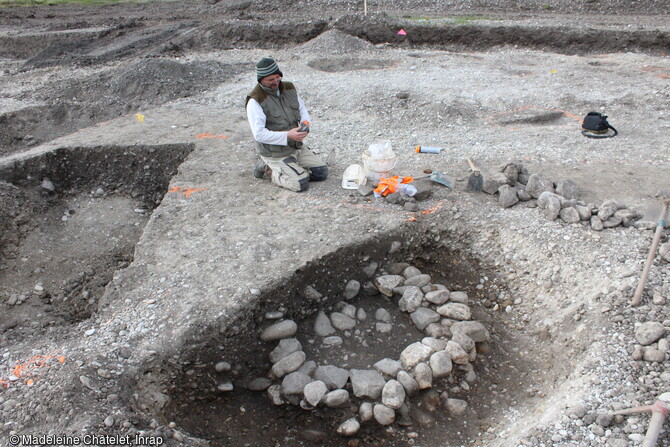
(266, 67)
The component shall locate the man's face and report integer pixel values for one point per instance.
(271, 82)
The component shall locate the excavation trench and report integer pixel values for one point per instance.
(79, 103)
(64, 106)
(71, 218)
(218, 387)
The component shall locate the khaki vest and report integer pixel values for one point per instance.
(282, 113)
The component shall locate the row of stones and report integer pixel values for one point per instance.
(420, 364)
(558, 199)
(609, 214)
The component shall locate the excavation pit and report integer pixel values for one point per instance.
(224, 392)
(70, 219)
(334, 65)
(534, 117)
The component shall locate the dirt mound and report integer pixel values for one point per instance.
(251, 31)
(131, 38)
(382, 29)
(376, 28)
(335, 42)
(149, 82)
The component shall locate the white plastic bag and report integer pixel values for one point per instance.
(382, 149)
(407, 189)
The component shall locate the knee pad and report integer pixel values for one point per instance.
(304, 184)
(319, 173)
(293, 165)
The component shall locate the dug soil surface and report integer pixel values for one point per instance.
(141, 261)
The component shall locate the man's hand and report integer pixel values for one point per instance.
(294, 135)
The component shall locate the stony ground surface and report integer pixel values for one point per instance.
(142, 261)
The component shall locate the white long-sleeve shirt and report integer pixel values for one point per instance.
(257, 119)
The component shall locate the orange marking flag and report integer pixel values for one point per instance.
(187, 191)
(211, 135)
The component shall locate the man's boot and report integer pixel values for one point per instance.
(261, 170)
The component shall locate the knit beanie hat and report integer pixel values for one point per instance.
(266, 67)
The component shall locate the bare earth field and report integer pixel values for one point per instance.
(143, 269)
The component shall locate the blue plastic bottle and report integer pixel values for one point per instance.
(428, 150)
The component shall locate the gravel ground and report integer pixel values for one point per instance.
(568, 349)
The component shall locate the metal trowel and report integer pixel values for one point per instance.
(330, 160)
(438, 177)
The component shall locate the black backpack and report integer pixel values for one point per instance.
(595, 125)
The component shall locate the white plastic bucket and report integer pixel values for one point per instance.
(378, 167)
